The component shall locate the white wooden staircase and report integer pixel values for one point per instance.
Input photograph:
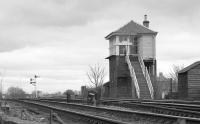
(140, 77)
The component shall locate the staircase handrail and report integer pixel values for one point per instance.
(147, 77)
(149, 83)
(133, 76)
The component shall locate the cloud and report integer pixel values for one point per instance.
(17, 37)
(171, 8)
(179, 46)
(56, 65)
(53, 13)
(45, 22)
(49, 58)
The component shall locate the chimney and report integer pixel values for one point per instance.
(146, 22)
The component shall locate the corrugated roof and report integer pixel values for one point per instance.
(132, 28)
(189, 67)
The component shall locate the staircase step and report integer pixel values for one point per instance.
(133, 58)
(145, 94)
(144, 86)
(144, 90)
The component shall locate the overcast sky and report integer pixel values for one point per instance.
(58, 39)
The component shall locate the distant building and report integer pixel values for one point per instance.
(83, 91)
(163, 86)
(189, 82)
(106, 89)
(132, 61)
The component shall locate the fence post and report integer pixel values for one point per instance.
(171, 86)
(51, 114)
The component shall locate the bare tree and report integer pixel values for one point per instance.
(174, 72)
(96, 75)
(69, 91)
(16, 92)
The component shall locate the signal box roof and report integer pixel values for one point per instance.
(132, 28)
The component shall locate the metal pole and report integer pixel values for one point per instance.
(36, 94)
(33, 81)
(1, 86)
(35, 87)
(35, 91)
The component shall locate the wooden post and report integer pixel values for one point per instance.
(22, 114)
(1, 117)
(51, 115)
(171, 86)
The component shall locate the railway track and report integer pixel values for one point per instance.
(157, 109)
(178, 102)
(83, 118)
(192, 107)
(113, 114)
(155, 106)
(155, 103)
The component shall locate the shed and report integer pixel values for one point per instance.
(189, 82)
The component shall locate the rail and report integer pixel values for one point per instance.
(151, 117)
(84, 117)
(133, 76)
(147, 77)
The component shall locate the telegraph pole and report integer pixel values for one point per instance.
(1, 87)
(2, 76)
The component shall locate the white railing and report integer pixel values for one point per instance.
(147, 77)
(133, 76)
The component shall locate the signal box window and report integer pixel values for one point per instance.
(122, 49)
(123, 38)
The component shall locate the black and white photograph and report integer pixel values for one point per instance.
(99, 62)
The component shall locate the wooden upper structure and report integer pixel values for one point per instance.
(139, 39)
